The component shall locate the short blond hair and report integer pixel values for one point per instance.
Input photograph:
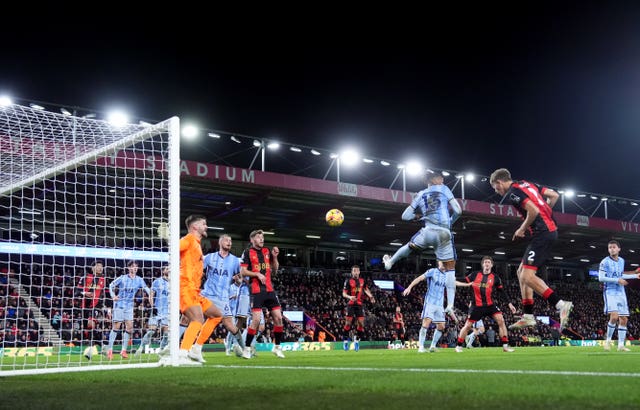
(500, 174)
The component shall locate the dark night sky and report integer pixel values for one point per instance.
(552, 94)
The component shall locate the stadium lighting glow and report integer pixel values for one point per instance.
(333, 155)
(227, 203)
(581, 195)
(349, 157)
(559, 258)
(445, 174)
(295, 149)
(593, 197)
(632, 251)
(257, 143)
(635, 265)
(268, 233)
(356, 240)
(90, 115)
(312, 236)
(401, 166)
(234, 139)
(499, 253)
(217, 228)
(414, 168)
(384, 163)
(145, 124)
(189, 131)
(469, 177)
(66, 112)
(467, 250)
(118, 118)
(367, 160)
(5, 101)
(592, 246)
(585, 260)
(634, 204)
(36, 106)
(395, 243)
(213, 135)
(604, 199)
(273, 145)
(569, 193)
(314, 152)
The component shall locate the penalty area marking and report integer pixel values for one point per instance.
(417, 370)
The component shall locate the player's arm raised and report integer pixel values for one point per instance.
(417, 280)
(550, 195)
(274, 261)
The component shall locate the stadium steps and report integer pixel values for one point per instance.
(46, 330)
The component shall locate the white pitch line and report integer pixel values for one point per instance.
(417, 370)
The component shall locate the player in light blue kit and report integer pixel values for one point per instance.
(612, 274)
(477, 329)
(240, 304)
(432, 310)
(123, 301)
(431, 206)
(160, 316)
(220, 267)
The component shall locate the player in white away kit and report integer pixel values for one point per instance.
(160, 317)
(432, 311)
(431, 206)
(127, 285)
(613, 276)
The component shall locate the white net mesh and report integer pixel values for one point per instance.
(74, 191)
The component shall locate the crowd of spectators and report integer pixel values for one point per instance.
(54, 290)
(17, 324)
(317, 292)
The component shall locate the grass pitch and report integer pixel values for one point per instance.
(482, 378)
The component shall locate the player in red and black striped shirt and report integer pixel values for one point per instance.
(353, 290)
(258, 263)
(398, 324)
(534, 202)
(484, 285)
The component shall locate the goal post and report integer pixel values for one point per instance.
(83, 202)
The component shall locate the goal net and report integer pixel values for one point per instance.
(83, 203)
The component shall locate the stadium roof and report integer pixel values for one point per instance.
(240, 200)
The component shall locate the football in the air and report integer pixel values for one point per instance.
(89, 352)
(334, 217)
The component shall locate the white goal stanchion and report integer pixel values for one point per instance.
(82, 203)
